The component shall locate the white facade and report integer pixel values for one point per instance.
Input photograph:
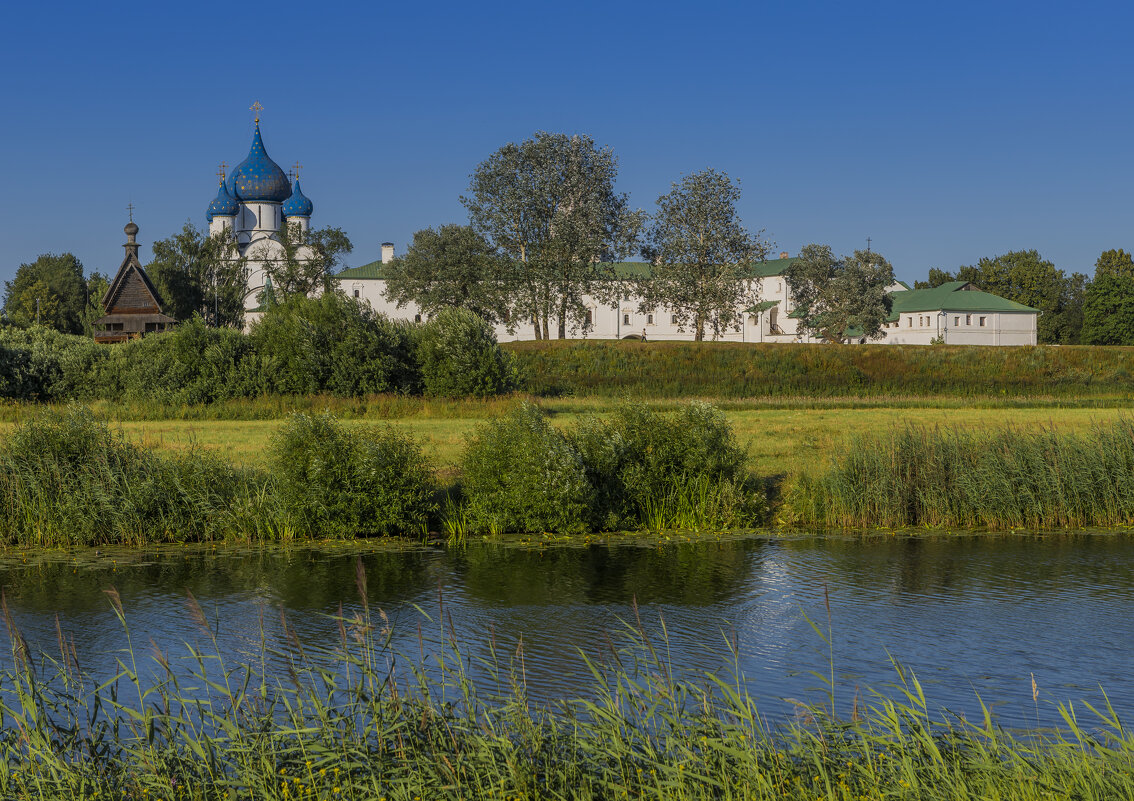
(997, 326)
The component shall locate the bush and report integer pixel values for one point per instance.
(334, 343)
(641, 468)
(460, 357)
(67, 479)
(683, 469)
(333, 481)
(520, 474)
(40, 363)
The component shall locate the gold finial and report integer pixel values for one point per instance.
(256, 108)
(221, 171)
(130, 208)
(297, 167)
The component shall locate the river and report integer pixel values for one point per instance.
(971, 614)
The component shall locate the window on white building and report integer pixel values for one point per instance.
(909, 321)
(968, 319)
(417, 318)
(649, 319)
(590, 317)
(673, 319)
(982, 321)
(625, 319)
(956, 321)
(356, 293)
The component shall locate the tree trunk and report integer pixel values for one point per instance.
(700, 323)
(563, 320)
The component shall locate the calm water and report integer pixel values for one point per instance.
(969, 615)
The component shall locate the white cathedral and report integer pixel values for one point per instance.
(258, 201)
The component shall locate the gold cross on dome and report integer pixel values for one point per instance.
(256, 108)
(221, 171)
(297, 167)
(130, 208)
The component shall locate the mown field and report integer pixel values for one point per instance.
(782, 441)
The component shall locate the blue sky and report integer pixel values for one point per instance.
(944, 131)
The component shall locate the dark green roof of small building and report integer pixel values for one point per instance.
(954, 296)
(622, 270)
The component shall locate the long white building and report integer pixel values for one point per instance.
(956, 313)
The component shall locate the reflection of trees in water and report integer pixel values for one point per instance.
(1088, 564)
(297, 579)
(693, 574)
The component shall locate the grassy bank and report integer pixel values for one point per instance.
(747, 370)
(367, 723)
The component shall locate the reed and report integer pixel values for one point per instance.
(370, 723)
(1039, 478)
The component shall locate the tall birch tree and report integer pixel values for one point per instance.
(549, 206)
(700, 253)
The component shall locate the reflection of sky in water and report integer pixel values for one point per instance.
(969, 614)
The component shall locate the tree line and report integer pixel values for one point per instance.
(545, 232)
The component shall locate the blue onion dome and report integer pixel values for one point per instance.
(223, 205)
(258, 177)
(297, 205)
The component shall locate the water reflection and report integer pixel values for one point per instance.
(968, 613)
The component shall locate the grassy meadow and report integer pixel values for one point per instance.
(782, 441)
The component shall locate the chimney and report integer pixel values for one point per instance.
(784, 254)
(387, 252)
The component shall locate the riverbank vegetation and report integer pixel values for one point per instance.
(1013, 478)
(68, 477)
(365, 722)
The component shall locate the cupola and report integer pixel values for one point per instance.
(297, 205)
(258, 178)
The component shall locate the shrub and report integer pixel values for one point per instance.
(641, 468)
(460, 357)
(334, 343)
(682, 469)
(520, 474)
(334, 481)
(66, 479)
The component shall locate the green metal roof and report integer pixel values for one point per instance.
(952, 296)
(372, 270)
(622, 270)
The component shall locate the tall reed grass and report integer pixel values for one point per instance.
(375, 724)
(1041, 479)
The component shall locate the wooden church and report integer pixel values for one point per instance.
(132, 304)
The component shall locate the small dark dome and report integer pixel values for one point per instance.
(131, 228)
(223, 205)
(297, 205)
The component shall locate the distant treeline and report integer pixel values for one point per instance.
(331, 344)
(742, 370)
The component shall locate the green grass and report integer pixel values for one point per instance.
(359, 728)
(781, 441)
(746, 370)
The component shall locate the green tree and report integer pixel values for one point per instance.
(548, 204)
(836, 296)
(1108, 303)
(307, 262)
(451, 267)
(50, 291)
(1114, 262)
(937, 277)
(97, 284)
(200, 274)
(1026, 277)
(700, 251)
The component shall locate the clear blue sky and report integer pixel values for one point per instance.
(944, 131)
